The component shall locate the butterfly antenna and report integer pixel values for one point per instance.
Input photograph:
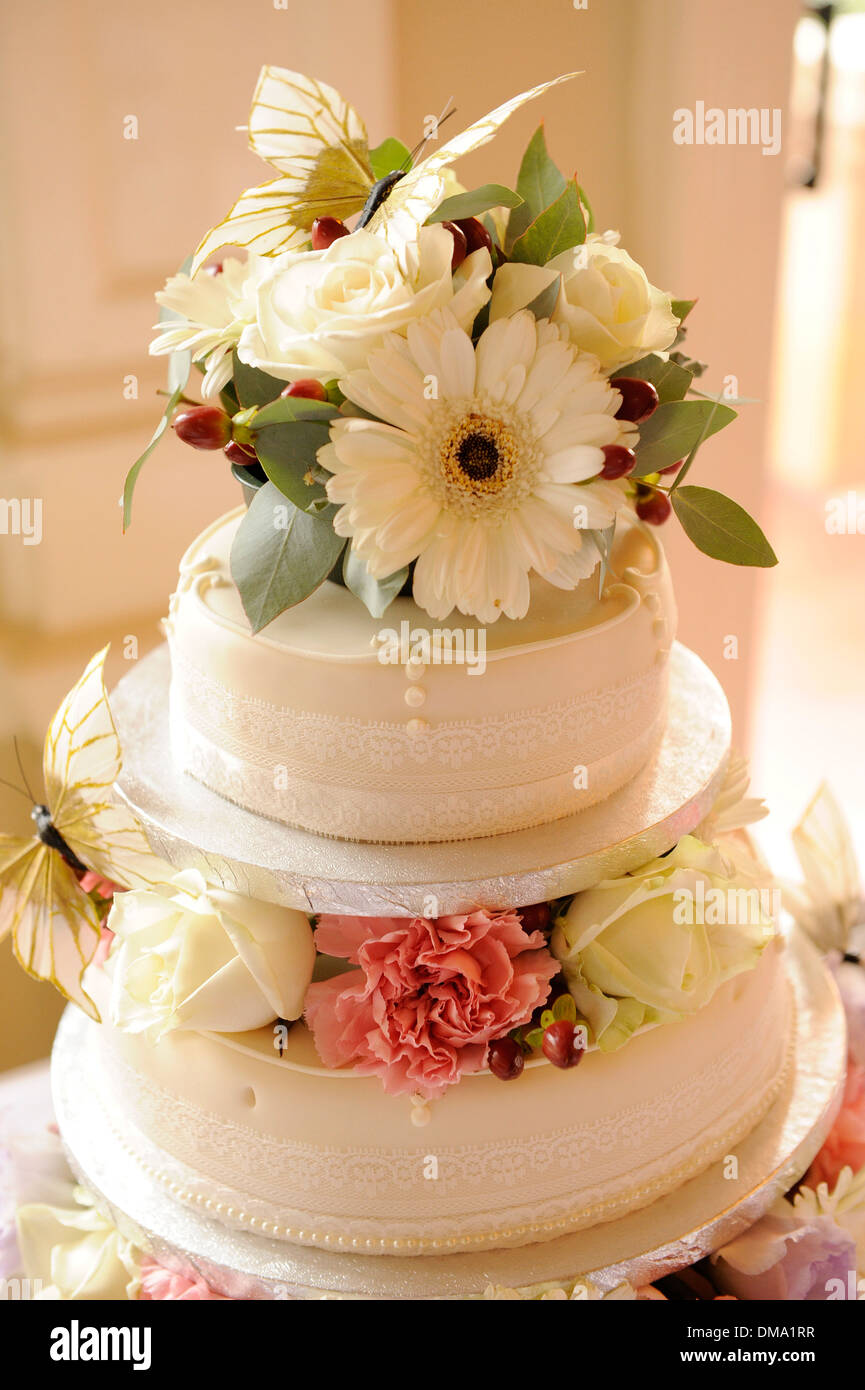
(12, 787)
(410, 158)
(21, 768)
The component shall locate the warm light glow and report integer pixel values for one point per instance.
(809, 41)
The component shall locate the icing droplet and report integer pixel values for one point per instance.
(653, 602)
(420, 1111)
(415, 696)
(417, 726)
(415, 670)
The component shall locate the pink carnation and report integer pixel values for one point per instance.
(159, 1284)
(95, 883)
(429, 996)
(845, 1142)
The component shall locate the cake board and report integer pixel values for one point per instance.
(642, 1246)
(193, 827)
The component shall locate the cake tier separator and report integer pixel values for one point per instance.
(642, 1246)
(193, 827)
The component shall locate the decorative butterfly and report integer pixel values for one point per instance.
(829, 906)
(54, 924)
(318, 143)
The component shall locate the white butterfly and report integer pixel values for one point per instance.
(829, 905)
(55, 925)
(318, 143)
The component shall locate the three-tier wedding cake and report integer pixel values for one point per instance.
(446, 939)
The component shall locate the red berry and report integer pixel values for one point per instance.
(639, 399)
(307, 387)
(460, 244)
(618, 461)
(563, 1045)
(505, 1059)
(535, 918)
(672, 467)
(475, 233)
(655, 508)
(325, 231)
(239, 453)
(203, 426)
(215, 269)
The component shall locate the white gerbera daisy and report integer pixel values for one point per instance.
(478, 463)
(211, 310)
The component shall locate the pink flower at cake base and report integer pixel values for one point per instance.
(785, 1256)
(429, 996)
(159, 1285)
(845, 1142)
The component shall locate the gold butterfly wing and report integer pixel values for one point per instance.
(318, 142)
(81, 761)
(407, 207)
(54, 926)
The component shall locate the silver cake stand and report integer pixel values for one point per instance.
(642, 1246)
(193, 827)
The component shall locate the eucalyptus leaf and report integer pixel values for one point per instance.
(721, 528)
(682, 308)
(670, 380)
(475, 200)
(590, 216)
(132, 475)
(375, 594)
(539, 184)
(560, 227)
(391, 154)
(674, 430)
(289, 409)
(254, 387)
(544, 303)
(288, 455)
(279, 556)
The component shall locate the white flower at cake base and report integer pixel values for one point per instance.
(320, 313)
(73, 1252)
(206, 958)
(649, 948)
(482, 463)
(606, 301)
(213, 308)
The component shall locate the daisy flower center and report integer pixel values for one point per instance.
(480, 461)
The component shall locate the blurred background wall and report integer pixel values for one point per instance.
(93, 221)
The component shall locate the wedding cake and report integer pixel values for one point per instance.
(432, 655)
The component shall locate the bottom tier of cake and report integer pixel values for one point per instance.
(278, 1145)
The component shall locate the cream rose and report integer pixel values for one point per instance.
(606, 301)
(630, 954)
(321, 313)
(73, 1252)
(205, 958)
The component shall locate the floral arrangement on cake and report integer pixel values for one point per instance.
(429, 389)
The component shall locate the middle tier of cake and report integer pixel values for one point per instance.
(398, 730)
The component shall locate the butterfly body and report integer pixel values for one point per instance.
(50, 836)
(377, 195)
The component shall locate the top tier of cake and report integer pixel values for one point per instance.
(395, 730)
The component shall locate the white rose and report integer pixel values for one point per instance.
(206, 958)
(606, 301)
(630, 954)
(321, 313)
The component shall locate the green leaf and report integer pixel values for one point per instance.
(132, 475)
(279, 556)
(539, 184)
(289, 409)
(669, 379)
(557, 229)
(590, 219)
(288, 455)
(674, 430)
(469, 204)
(389, 155)
(254, 387)
(682, 308)
(376, 594)
(721, 528)
(544, 303)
